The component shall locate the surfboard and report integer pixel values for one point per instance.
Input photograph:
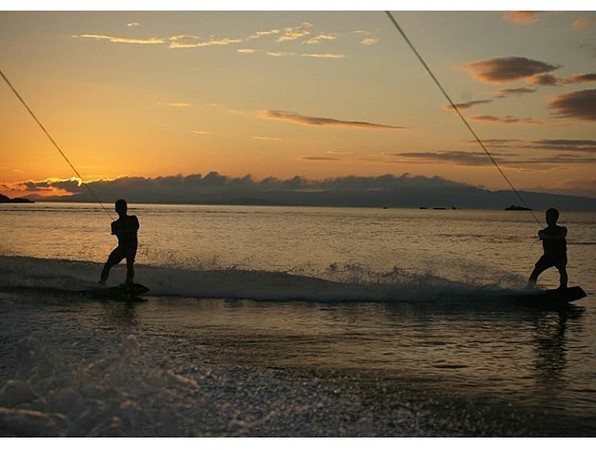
(546, 297)
(120, 292)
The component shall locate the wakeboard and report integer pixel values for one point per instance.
(539, 297)
(121, 292)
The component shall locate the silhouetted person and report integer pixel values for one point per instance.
(555, 250)
(125, 228)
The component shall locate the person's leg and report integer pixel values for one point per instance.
(540, 267)
(563, 277)
(130, 268)
(115, 257)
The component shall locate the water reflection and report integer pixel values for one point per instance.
(550, 346)
(121, 313)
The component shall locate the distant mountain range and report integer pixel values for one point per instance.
(383, 191)
(5, 199)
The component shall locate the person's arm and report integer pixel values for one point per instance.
(558, 233)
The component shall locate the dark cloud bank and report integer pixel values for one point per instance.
(382, 191)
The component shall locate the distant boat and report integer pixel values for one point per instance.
(517, 208)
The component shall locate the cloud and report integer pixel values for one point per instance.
(133, 24)
(574, 145)
(321, 121)
(521, 17)
(462, 158)
(320, 38)
(583, 78)
(506, 120)
(305, 55)
(122, 40)
(584, 23)
(320, 158)
(266, 138)
(548, 79)
(291, 34)
(369, 41)
(385, 190)
(468, 105)
(567, 145)
(322, 55)
(179, 105)
(515, 91)
(260, 34)
(545, 79)
(576, 105)
(179, 43)
(469, 158)
(190, 41)
(506, 70)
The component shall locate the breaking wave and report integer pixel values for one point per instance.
(336, 283)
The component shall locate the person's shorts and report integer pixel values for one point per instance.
(546, 262)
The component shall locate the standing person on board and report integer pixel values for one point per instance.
(125, 229)
(555, 250)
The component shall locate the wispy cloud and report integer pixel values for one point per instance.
(545, 79)
(584, 23)
(260, 34)
(266, 138)
(506, 120)
(294, 33)
(515, 91)
(369, 41)
(467, 105)
(320, 158)
(180, 105)
(122, 40)
(322, 55)
(576, 105)
(301, 55)
(192, 43)
(303, 33)
(573, 145)
(567, 145)
(462, 158)
(319, 38)
(506, 70)
(583, 78)
(469, 158)
(133, 24)
(321, 121)
(521, 17)
(548, 79)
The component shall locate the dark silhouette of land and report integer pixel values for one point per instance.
(405, 191)
(5, 199)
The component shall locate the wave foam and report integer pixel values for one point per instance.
(336, 284)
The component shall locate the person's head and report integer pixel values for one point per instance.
(552, 215)
(121, 207)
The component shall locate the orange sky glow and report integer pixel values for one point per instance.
(311, 93)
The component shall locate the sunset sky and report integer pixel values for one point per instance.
(314, 94)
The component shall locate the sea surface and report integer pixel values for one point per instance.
(293, 321)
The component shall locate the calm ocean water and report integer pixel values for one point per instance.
(397, 301)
